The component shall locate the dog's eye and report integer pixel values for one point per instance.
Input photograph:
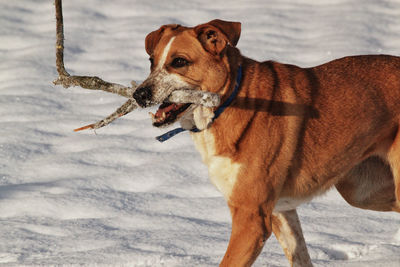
(179, 62)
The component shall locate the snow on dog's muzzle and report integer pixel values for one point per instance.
(157, 87)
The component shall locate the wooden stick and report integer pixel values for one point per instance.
(95, 83)
(89, 82)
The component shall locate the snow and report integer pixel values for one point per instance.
(119, 197)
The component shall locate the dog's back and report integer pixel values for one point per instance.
(354, 115)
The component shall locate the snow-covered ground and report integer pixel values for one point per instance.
(119, 197)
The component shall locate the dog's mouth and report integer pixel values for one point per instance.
(168, 113)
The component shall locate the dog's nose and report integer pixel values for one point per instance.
(142, 95)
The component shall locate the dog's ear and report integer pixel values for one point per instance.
(154, 37)
(217, 34)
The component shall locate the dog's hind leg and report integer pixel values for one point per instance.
(393, 158)
(287, 229)
(369, 185)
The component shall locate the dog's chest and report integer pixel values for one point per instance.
(223, 172)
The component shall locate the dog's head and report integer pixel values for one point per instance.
(185, 58)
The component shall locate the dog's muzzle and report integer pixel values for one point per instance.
(143, 95)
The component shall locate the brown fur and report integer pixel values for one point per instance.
(295, 132)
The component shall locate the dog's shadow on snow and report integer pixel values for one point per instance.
(276, 108)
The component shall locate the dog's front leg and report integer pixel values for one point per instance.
(247, 238)
(287, 229)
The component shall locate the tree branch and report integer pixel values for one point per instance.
(89, 82)
(95, 83)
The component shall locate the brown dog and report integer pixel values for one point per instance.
(288, 134)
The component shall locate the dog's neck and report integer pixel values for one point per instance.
(203, 117)
(231, 128)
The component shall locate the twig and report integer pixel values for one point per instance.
(127, 107)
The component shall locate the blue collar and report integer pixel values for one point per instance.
(217, 113)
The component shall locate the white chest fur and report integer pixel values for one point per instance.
(223, 171)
